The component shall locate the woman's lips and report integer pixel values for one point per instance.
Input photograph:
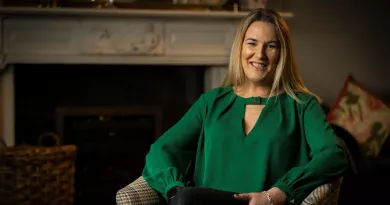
(258, 65)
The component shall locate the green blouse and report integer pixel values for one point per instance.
(291, 146)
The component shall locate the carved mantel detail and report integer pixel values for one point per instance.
(123, 38)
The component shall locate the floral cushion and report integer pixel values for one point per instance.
(363, 115)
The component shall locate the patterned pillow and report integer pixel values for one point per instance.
(363, 115)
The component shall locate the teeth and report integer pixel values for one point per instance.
(258, 65)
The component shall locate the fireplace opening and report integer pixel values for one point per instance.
(112, 143)
(112, 113)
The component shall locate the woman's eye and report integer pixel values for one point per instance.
(252, 44)
(271, 46)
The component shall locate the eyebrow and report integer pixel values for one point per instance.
(252, 39)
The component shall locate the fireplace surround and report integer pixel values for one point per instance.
(187, 52)
(111, 37)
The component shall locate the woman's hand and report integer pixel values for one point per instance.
(254, 198)
(258, 198)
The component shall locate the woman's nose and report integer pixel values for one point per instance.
(260, 53)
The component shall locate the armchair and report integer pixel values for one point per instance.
(140, 193)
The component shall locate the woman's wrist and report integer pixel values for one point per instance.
(270, 200)
(277, 196)
(171, 193)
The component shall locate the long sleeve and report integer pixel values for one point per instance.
(170, 155)
(327, 157)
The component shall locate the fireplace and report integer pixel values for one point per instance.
(109, 80)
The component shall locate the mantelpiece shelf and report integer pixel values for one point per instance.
(115, 12)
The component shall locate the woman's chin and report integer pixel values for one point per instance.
(258, 81)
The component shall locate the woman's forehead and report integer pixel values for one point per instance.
(261, 31)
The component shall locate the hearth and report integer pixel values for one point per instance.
(112, 113)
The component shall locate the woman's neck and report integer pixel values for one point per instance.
(250, 90)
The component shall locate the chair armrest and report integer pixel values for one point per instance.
(138, 193)
(327, 194)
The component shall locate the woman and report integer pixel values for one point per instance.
(261, 134)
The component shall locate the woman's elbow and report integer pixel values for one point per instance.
(332, 160)
(338, 157)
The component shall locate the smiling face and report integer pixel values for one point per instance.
(260, 53)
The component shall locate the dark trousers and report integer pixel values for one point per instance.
(204, 196)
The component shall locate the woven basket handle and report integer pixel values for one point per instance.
(49, 134)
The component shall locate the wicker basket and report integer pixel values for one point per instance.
(37, 175)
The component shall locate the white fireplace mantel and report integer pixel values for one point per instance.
(109, 36)
(117, 36)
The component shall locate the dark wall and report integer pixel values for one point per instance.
(335, 38)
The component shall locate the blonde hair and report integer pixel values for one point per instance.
(286, 73)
